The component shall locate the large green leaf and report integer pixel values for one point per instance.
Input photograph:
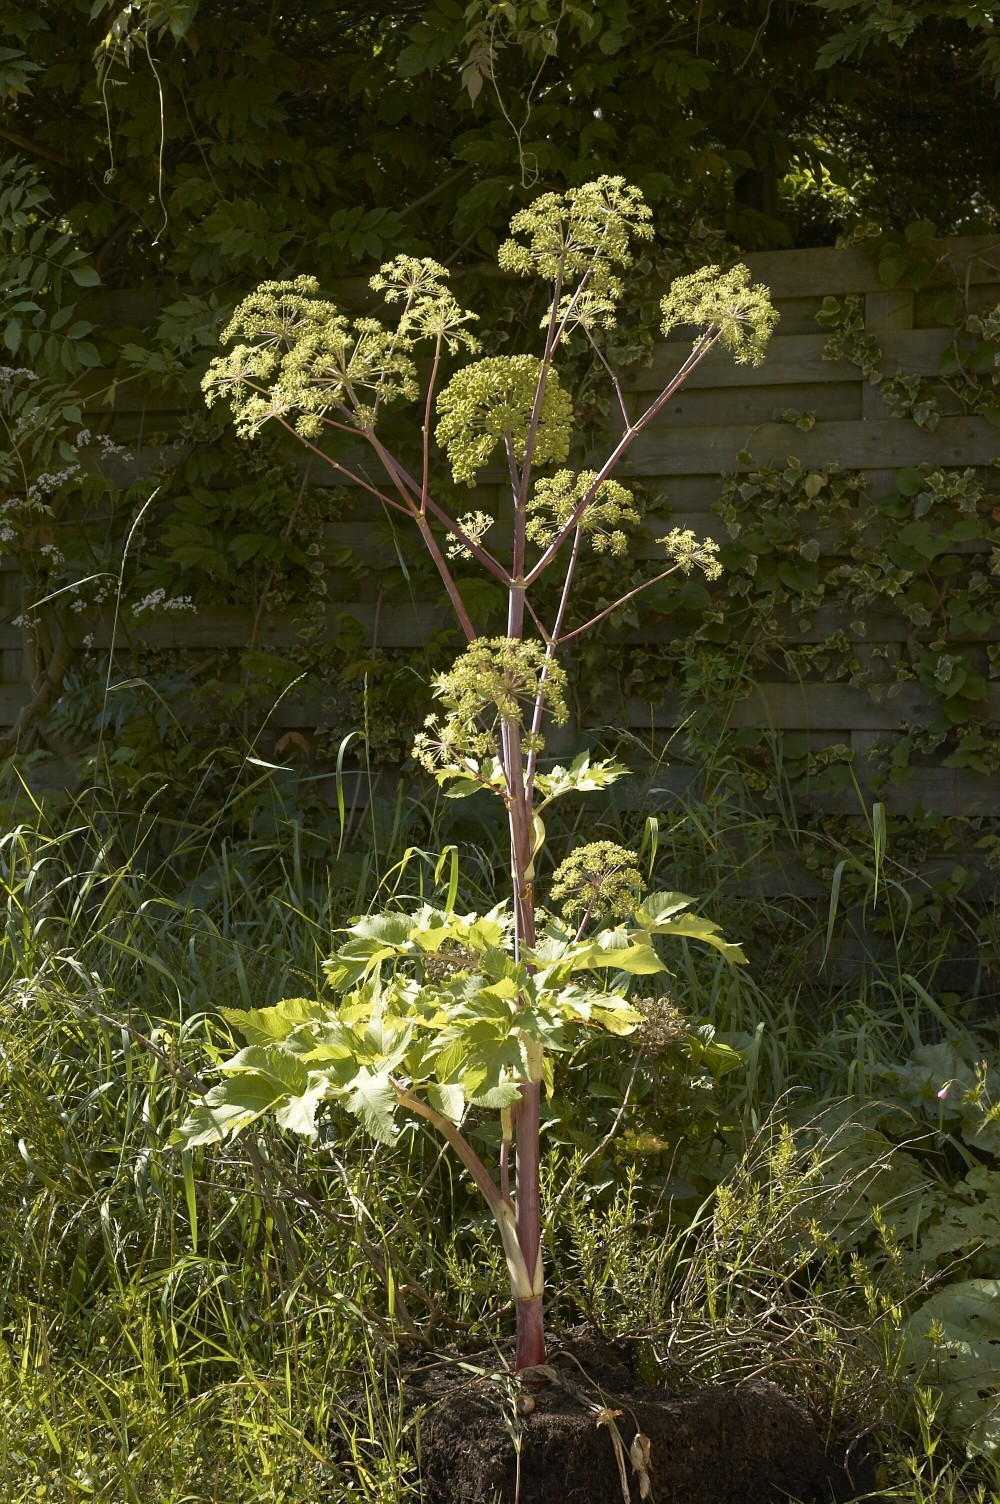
(692, 927)
(298, 1114)
(658, 908)
(373, 1102)
(612, 950)
(448, 1100)
(227, 1109)
(281, 1067)
(953, 1343)
(268, 1025)
(580, 777)
(967, 1224)
(387, 929)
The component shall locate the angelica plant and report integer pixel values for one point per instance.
(433, 1011)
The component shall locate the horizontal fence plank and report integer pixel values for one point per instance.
(831, 401)
(403, 624)
(871, 444)
(832, 270)
(666, 448)
(13, 698)
(791, 360)
(944, 791)
(816, 707)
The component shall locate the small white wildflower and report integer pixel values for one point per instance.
(158, 600)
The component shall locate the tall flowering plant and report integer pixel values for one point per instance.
(433, 1011)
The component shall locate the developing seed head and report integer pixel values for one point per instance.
(475, 526)
(441, 744)
(689, 552)
(601, 880)
(663, 1025)
(555, 499)
(495, 397)
(724, 303)
(408, 277)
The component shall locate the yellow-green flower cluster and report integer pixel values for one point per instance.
(475, 526)
(306, 360)
(724, 303)
(601, 880)
(494, 680)
(689, 552)
(495, 397)
(585, 232)
(555, 499)
(430, 309)
(586, 229)
(300, 358)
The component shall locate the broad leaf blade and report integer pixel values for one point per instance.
(373, 1102)
(692, 927)
(227, 1109)
(270, 1025)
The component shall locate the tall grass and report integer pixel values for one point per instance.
(198, 1330)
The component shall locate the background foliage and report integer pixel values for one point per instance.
(187, 149)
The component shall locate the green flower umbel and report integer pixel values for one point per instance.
(599, 881)
(495, 679)
(493, 398)
(725, 304)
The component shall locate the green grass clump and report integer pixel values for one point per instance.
(220, 1327)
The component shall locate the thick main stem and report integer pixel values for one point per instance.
(530, 1348)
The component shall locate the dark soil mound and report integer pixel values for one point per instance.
(747, 1444)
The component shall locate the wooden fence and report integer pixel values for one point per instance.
(722, 410)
